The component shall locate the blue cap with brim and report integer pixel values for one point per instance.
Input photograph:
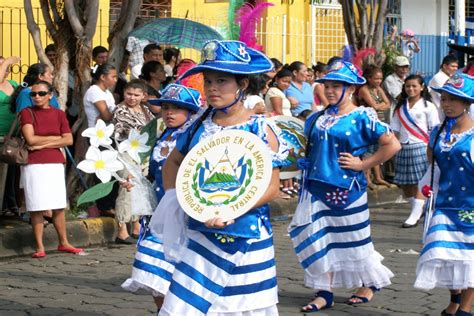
(459, 85)
(232, 57)
(179, 95)
(343, 71)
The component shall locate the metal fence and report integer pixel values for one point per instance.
(290, 39)
(16, 40)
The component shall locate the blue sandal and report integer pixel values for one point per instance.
(462, 313)
(362, 299)
(326, 295)
(456, 299)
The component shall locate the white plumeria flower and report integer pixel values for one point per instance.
(103, 163)
(99, 134)
(135, 144)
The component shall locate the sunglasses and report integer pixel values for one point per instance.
(40, 93)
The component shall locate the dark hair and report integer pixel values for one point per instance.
(151, 47)
(135, 84)
(425, 94)
(257, 83)
(371, 70)
(50, 48)
(334, 59)
(319, 67)
(305, 113)
(296, 66)
(170, 53)
(100, 70)
(276, 63)
(148, 68)
(50, 86)
(32, 75)
(284, 72)
(99, 50)
(449, 59)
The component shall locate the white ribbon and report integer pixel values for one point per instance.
(168, 223)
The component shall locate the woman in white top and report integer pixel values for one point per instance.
(276, 102)
(99, 102)
(413, 119)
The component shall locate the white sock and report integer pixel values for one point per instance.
(416, 211)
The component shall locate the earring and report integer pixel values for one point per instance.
(237, 93)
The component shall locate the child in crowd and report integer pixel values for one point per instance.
(414, 117)
(320, 100)
(372, 95)
(150, 270)
(130, 114)
(258, 87)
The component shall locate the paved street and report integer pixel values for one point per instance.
(90, 285)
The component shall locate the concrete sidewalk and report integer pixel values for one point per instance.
(16, 238)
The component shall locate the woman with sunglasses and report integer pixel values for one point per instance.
(21, 98)
(46, 130)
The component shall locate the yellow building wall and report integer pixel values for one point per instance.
(16, 40)
(294, 20)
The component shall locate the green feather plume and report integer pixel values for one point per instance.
(233, 29)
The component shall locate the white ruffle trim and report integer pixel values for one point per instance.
(267, 311)
(352, 273)
(451, 274)
(133, 286)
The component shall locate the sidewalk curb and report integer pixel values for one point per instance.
(19, 241)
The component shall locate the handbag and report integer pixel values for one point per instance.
(14, 150)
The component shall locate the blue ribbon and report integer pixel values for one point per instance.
(450, 122)
(225, 109)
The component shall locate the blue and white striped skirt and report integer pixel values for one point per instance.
(447, 257)
(411, 164)
(210, 281)
(150, 270)
(337, 242)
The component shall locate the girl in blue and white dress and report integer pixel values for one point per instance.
(226, 268)
(447, 257)
(331, 227)
(150, 269)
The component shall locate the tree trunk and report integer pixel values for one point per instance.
(378, 34)
(124, 25)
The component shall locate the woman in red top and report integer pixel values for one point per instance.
(46, 130)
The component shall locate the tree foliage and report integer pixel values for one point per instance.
(72, 25)
(364, 25)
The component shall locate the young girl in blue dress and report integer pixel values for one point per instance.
(236, 276)
(150, 270)
(331, 234)
(447, 257)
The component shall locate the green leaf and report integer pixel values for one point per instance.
(96, 192)
(199, 165)
(150, 128)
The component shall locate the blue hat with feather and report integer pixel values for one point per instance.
(233, 57)
(343, 71)
(179, 95)
(460, 85)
